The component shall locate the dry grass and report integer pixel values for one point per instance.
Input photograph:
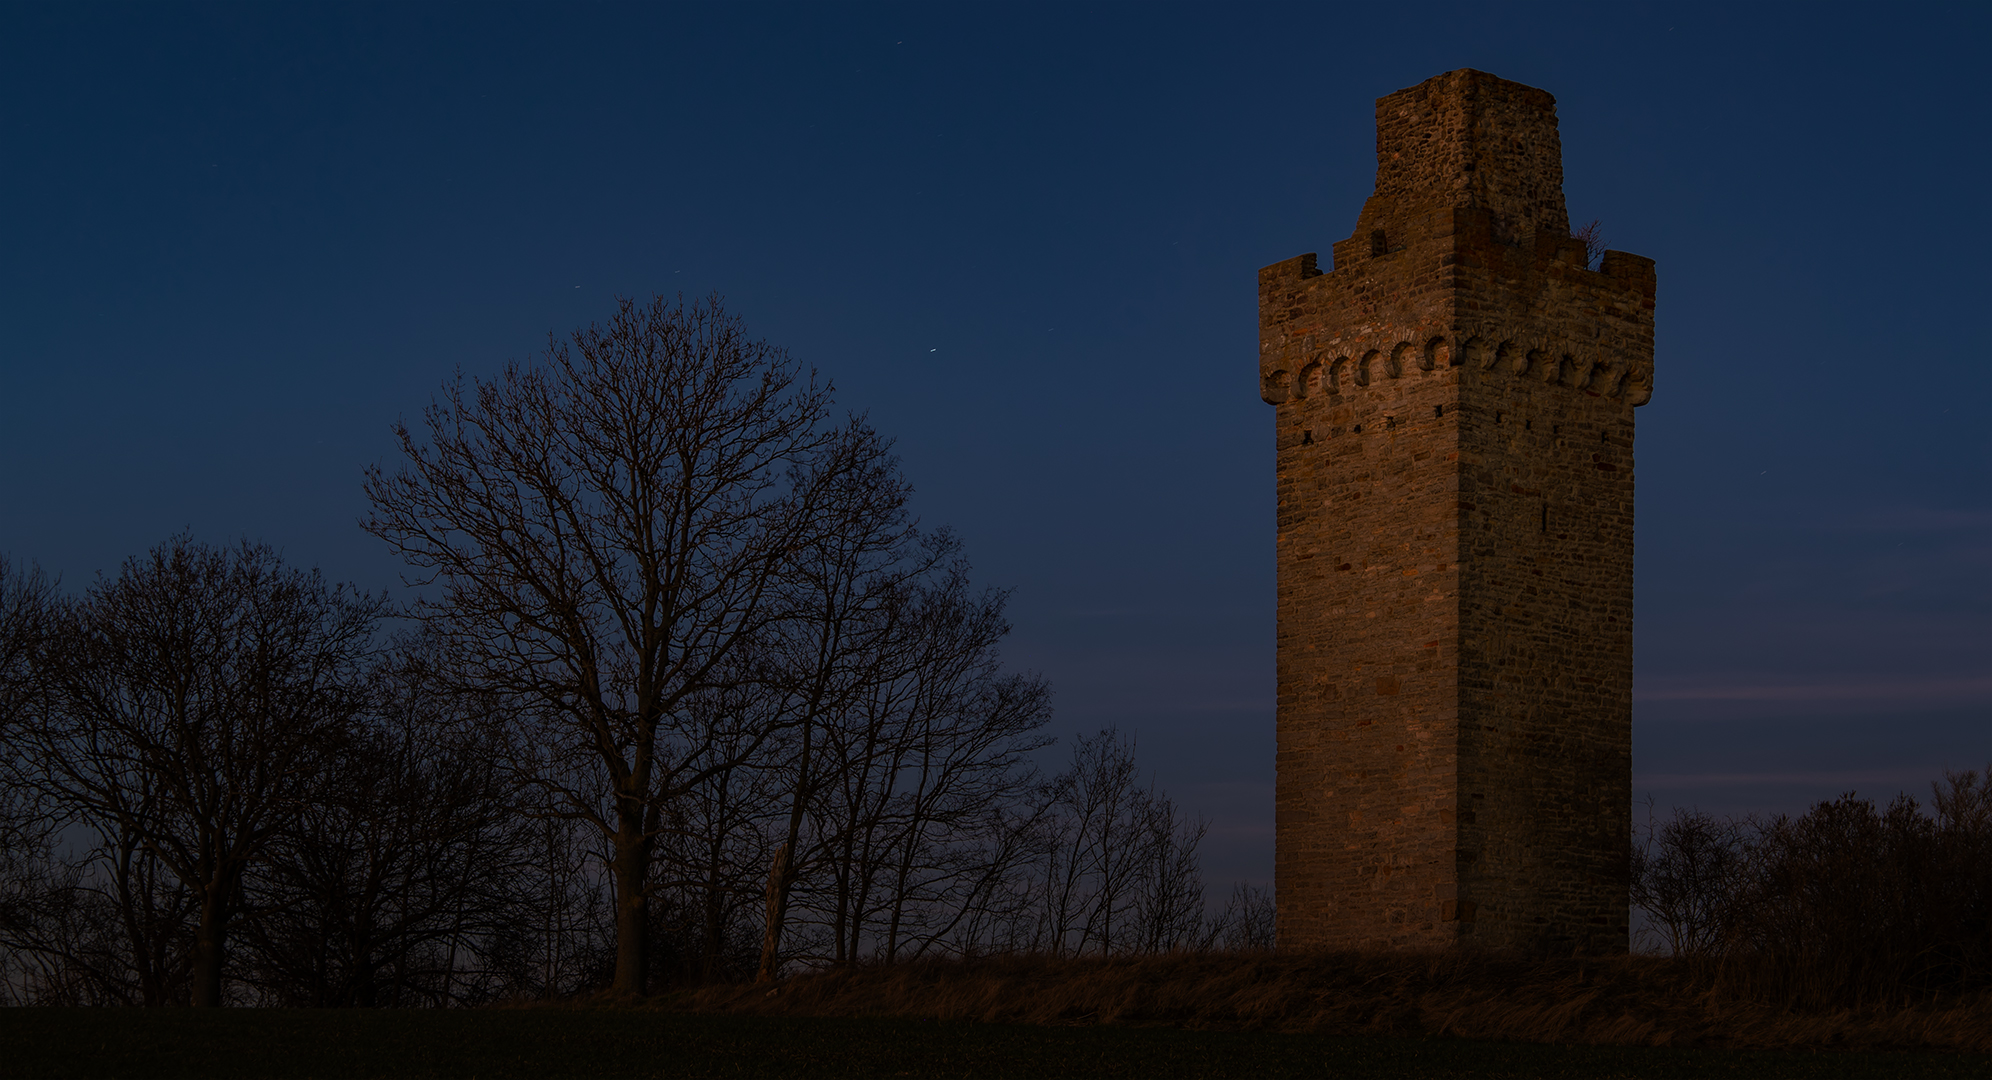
(1629, 1001)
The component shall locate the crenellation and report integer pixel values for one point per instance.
(1454, 450)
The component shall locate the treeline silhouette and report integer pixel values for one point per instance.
(686, 697)
(1849, 905)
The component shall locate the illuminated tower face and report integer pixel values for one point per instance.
(1454, 411)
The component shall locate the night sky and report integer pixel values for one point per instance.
(238, 242)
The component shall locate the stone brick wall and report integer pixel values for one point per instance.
(1454, 450)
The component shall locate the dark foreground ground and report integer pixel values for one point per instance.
(491, 1044)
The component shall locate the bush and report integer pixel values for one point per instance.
(1848, 904)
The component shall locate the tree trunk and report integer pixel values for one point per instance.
(365, 975)
(771, 939)
(781, 875)
(713, 943)
(632, 865)
(210, 943)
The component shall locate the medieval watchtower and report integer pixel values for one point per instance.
(1455, 429)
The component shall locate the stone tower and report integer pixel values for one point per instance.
(1455, 416)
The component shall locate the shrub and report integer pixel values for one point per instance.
(1848, 904)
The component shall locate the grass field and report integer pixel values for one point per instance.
(1612, 1002)
(494, 1044)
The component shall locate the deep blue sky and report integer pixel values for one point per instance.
(237, 242)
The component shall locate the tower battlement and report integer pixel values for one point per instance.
(1454, 429)
(1470, 140)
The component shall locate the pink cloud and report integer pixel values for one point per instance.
(1952, 690)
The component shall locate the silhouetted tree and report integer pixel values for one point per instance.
(27, 607)
(1593, 236)
(1854, 904)
(722, 834)
(842, 584)
(608, 530)
(1116, 870)
(194, 701)
(694, 699)
(917, 764)
(27, 867)
(1686, 873)
(406, 863)
(1848, 904)
(1249, 921)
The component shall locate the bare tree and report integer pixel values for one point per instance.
(27, 607)
(194, 699)
(1248, 923)
(1593, 236)
(846, 582)
(1118, 863)
(1686, 874)
(26, 603)
(565, 927)
(107, 924)
(608, 529)
(117, 922)
(437, 834)
(721, 837)
(918, 765)
(407, 860)
(1169, 913)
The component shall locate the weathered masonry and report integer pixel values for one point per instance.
(1455, 416)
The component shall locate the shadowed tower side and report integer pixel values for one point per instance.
(1454, 414)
